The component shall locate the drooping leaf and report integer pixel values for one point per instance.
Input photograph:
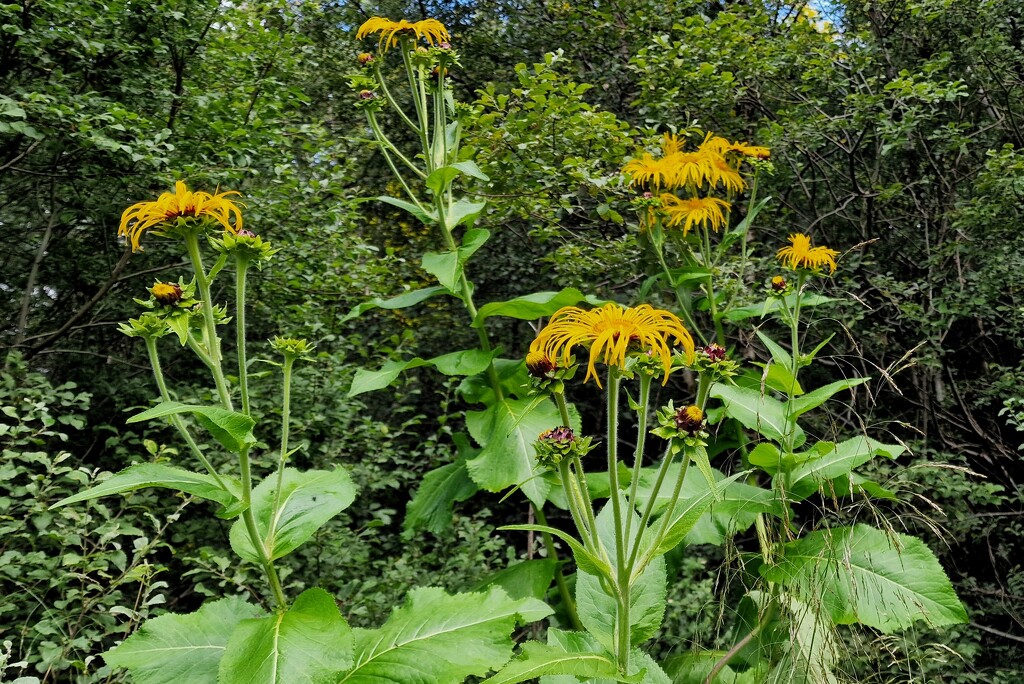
(232, 429)
(427, 217)
(431, 506)
(758, 412)
(310, 643)
(860, 574)
(441, 638)
(506, 432)
(468, 362)
(522, 579)
(173, 648)
(537, 660)
(308, 500)
(533, 306)
(585, 560)
(143, 475)
(402, 301)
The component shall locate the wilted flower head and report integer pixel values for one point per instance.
(182, 203)
(365, 59)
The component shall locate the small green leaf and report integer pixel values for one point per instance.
(232, 429)
(143, 475)
(585, 560)
(779, 355)
(523, 579)
(813, 474)
(464, 211)
(402, 301)
(470, 168)
(771, 305)
(424, 216)
(758, 412)
(173, 648)
(309, 643)
(533, 306)
(445, 267)
(440, 178)
(802, 405)
(308, 500)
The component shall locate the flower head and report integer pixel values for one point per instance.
(609, 331)
(646, 170)
(690, 419)
(365, 59)
(778, 284)
(539, 364)
(166, 293)
(706, 211)
(800, 254)
(182, 203)
(430, 30)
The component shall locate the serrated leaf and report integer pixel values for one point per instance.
(402, 301)
(143, 475)
(506, 432)
(758, 412)
(232, 429)
(431, 505)
(532, 306)
(857, 574)
(539, 659)
(440, 638)
(522, 579)
(308, 500)
(310, 643)
(174, 648)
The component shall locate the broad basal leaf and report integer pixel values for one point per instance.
(309, 644)
(440, 638)
(172, 648)
(308, 500)
(507, 432)
(860, 574)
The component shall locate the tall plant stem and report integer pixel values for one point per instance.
(241, 269)
(638, 454)
(254, 536)
(212, 341)
(684, 308)
(176, 421)
(622, 635)
(286, 410)
(560, 583)
(710, 287)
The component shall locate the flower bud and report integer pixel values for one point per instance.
(559, 443)
(714, 352)
(690, 419)
(167, 294)
(539, 364)
(367, 95)
(365, 59)
(778, 284)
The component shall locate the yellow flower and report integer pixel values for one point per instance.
(671, 144)
(723, 174)
(609, 332)
(142, 216)
(431, 30)
(800, 254)
(690, 167)
(647, 170)
(707, 211)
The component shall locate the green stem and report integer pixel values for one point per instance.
(563, 588)
(391, 100)
(649, 508)
(710, 288)
(179, 424)
(212, 340)
(667, 515)
(241, 269)
(622, 636)
(286, 404)
(684, 307)
(254, 536)
(638, 454)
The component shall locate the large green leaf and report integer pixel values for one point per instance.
(771, 305)
(523, 579)
(533, 306)
(860, 574)
(143, 475)
(597, 608)
(441, 638)
(447, 266)
(402, 301)
(173, 648)
(758, 412)
(537, 660)
(431, 506)
(815, 473)
(308, 500)
(232, 429)
(310, 643)
(507, 432)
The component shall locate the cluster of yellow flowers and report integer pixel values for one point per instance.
(715, 164)
(182, 203)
